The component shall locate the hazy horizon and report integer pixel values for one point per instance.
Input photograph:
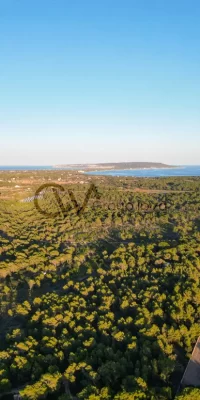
(99, 162)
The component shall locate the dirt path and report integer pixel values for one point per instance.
(191, 376)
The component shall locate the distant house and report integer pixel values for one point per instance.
(17, 396)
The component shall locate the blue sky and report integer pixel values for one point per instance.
(99, 81)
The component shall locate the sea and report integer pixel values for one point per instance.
(25, 167)
(183, 170)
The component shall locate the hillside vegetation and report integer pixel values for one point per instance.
(101, 305)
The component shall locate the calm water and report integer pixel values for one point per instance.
(193, 170)
(24, 167)
(188, 170)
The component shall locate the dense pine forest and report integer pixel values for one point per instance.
(102, 304)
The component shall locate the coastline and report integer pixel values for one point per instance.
(133, 169)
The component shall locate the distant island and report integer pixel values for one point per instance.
(117, 166)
